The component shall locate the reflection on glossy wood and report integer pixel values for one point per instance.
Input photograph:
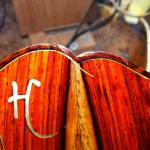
(109, 111)
(120, 102)
(44, 101)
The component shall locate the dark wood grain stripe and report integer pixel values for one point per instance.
(47, 103)
(118, 97)
(103, 55)
(42, 47)
(81, 58)
(80, 133)
(120, 105)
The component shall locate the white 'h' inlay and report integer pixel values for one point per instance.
(17, 97)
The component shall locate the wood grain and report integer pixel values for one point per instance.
(47, 103)
(120, 103)
(80, 133)
(35, 16)
(108, 111)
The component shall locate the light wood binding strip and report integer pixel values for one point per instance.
(80, 134)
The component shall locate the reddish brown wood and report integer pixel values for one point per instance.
(120, 103)
(47, 102)
(118, 96)
(103, 55)
(48, 14)
(45, 47)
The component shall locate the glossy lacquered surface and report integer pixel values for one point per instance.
(47, 103)
(109, 111)
(120, 103)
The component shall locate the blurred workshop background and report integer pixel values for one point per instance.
(120, 27)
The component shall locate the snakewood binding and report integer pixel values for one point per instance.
(109, 111)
